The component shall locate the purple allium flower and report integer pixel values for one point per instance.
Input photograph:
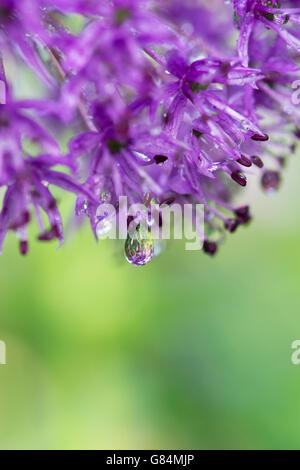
(165, 101)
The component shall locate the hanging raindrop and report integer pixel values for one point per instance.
(139, 250)
(270, 181)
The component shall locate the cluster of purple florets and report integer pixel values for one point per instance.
(168, 101)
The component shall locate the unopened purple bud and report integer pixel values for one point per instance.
(243, 214)
(23, 247)
(239, 178)
(257, 161)
(260, 137)
(23, 220)
(244, 161)
(231, 225)
(52, 204)
(50, 234)
(210, 248)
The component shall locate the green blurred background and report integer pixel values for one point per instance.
(187, 352)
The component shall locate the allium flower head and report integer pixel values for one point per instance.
(166, 101)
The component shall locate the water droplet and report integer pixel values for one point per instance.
(142, 156)
(105, 196)
(82, 207)
(270, 181)
(139, 250)
(103, 228)
(215, 234)
(245, 125)
(257, 161)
